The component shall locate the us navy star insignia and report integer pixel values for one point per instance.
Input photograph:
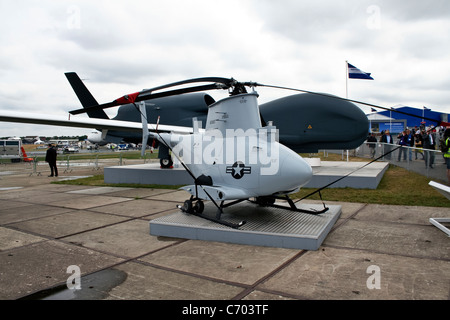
(238, 170)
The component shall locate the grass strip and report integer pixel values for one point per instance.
(397, 187)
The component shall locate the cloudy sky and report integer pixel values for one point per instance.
(120, 47)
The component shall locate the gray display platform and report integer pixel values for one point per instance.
(150, 173)
(266, 226)
(329, 171)
(366, 178)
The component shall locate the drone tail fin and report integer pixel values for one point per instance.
(85, 96)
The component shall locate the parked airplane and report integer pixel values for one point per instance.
(307, 122)
(38, 141)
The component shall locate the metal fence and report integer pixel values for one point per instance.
(68, 163)
(430, 163)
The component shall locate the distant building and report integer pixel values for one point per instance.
(398, 121)
(419, 113)
(379, 123)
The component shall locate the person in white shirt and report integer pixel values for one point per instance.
(386, 138)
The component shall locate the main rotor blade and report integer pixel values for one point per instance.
(227, 82)
(138, 96)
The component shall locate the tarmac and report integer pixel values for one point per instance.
(51, 233)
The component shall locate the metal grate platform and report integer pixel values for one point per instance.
(266, 226)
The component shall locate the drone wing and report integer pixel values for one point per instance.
(99, 124)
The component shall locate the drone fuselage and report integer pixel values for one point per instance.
(236, 156)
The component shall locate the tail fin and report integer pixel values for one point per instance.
(85, 96)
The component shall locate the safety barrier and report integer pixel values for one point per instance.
(67, 163)
(427, 162)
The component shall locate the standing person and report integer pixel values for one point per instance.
(447, 153)
(418, 144)
(402, 141)
(50, 157)
(372, 143)
(429, 142)
(386, 138)
(409, 143)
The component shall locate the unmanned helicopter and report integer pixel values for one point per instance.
(234, 158)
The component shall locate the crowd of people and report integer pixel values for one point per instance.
(421, 141)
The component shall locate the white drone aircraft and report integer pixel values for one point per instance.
(234, 157)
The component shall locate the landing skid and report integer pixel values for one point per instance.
(270, 202)
(195, 207)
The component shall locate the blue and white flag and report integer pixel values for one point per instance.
(355, 73)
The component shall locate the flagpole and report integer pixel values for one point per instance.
(423, 113)
(346, 87)
(346, 79)
(390, 120)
